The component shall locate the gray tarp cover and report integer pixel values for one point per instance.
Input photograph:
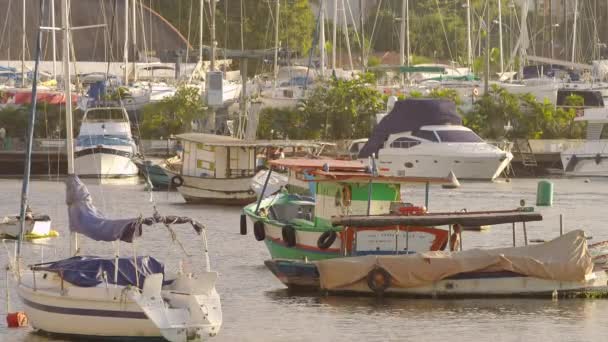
(565, 258)
(87, 220)
(410, 115)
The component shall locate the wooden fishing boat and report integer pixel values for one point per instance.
(218, 169)
(565, 266)
(299, 227)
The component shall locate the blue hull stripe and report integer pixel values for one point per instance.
(85, 312)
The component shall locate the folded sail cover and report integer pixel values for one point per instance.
(89, 271)
(85, 219)
(410, 115)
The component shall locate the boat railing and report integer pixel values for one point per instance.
(36, 252)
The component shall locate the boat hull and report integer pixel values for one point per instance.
(105, 165)
(224, 191)
(427, 165)
(305, 276)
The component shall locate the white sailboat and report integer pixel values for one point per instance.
(122, 297)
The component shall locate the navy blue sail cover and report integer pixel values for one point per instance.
(87, 220)
(88, 271)
(409, 115)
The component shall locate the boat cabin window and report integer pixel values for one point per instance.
(105, 114)
(404, 143)
(458, 136)
(427, 135)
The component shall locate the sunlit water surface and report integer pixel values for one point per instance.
(257, 307)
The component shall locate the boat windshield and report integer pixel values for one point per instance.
(105, 114)
(113, 140)
(458, 136)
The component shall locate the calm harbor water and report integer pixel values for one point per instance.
(257, 307)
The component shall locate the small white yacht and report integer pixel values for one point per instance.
(105, 147)
(425, 138)
(591, 158)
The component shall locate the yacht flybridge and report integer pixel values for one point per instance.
(425, 137)
(589, 159)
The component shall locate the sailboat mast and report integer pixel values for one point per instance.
(322, 38)
(469, 48)
(574, 30)
(213, 3)
(402, 27)
(500, 37)
(276, 47)
(345, 29)
(67, 86)
(125, 52)
(134, 38)
(54, 40)
(23, 37)
(200, 35)
(30, 139)
(407, 32)
(334, 45)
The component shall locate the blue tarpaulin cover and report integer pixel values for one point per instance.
(87, 220)
(409, 115)
(88, 271)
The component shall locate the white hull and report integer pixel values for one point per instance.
(591, 160)
(117, 311)
(105, 166)
(425, 165)
(232, 191)
(496, 286)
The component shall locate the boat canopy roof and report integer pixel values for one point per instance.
(319, 164)
(430, 220)
(319, 170)
(222, 140)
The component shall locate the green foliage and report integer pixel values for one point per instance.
(172, 115)
(50, 121)
(529, 118)
(14, 120)
(284, 123)
(343, 109)
(296, 23)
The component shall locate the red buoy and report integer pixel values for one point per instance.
(16, 319)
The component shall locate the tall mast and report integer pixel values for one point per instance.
(574, 30)
(469, 48)
(363, 61)
(276, 46)
(65, 5)
(500, 37)
(402, 35)
(125, 52)
(134, 38)
(30, 141)
(200, 34)
(322, 38)
(213, 35)
(54, 40)
(345, 29)
(334, 45)
(23, 37)
(407, 32)
(486, 78)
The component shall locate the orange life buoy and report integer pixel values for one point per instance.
(475, 92)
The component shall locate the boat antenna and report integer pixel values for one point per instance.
(30, 138)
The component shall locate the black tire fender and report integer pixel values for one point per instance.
(258, 231)
(289, 235)
(177, 181)
(243, 224)
(327, 239)
(378, 280)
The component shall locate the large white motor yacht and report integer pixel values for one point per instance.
(105, 147)
(433, 151)
(425, 138)
(590, 158)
